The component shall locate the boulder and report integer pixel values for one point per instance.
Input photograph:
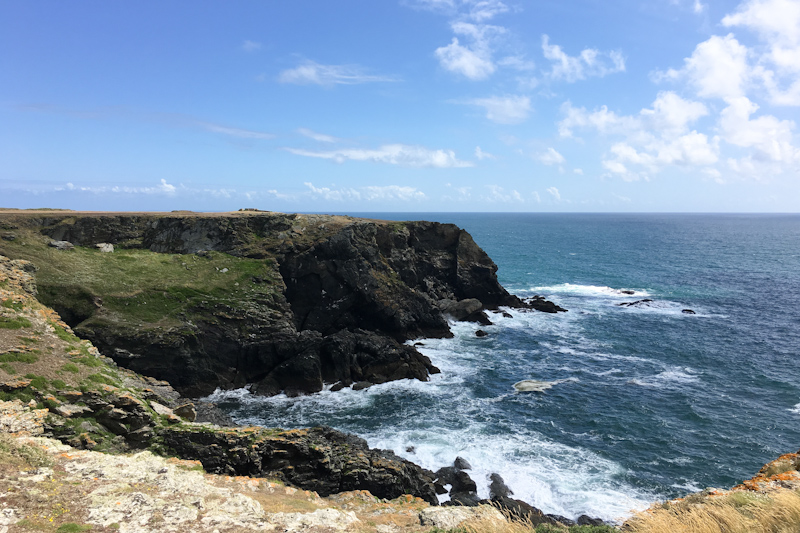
(104, 247)
(62, 245)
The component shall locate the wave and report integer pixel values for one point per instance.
(591, 290)
(668, 378)
(795, 409)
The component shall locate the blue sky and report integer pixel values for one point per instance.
(401, 105)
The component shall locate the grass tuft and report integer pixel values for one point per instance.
(737, 512)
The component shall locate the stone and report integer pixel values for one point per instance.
(498, 487)
(585, 520)
(481, 333)
(105, 247)
(688, 312)
(461, 464)
(62, 245)
(447, 518)
(70, 411)
(186, 411)
(361, 385)
(9, 237)
(162, 410)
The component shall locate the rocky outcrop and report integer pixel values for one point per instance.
(333, 300)
(320, 459)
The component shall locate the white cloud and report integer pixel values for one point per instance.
(769, 136)
(393, 154)
(656, 138)
(716, 69)
(235, 132)
(480, 155)
(536, 197)
(462, 60)
(699, 7)
(603, 120)
(483, 10)
(162, 188)
(312, 73)
(554, 193)
(369, 193)
(777, 24)
(588, 63)
(498, 194)
(551, 157)
(774, 20)
(578, 171)
(321, 137)
(251, 46)
(504, 109)
(673, 113)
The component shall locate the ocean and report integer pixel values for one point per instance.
(641, 402)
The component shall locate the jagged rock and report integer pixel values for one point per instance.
(209, 413)
(637, 303)
(459, 310)
(69, 411)
(11, 385)
(521, 510)
(540, 304)
(498, 487)
(481, 333)
(9, 237)
(62, 245)
(447, 518)
(461, 464)
(319, 459)
(186, 411)
(585, 520)
(162, 410)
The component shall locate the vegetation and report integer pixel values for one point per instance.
(138, 286)
(735, 512)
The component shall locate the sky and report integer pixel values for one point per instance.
(401, 105)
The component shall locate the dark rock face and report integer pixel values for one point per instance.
(347, 294)
(319, 459)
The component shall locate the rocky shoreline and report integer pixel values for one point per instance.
(134, 412)
(283, 302)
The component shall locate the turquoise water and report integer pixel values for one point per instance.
(647, 402)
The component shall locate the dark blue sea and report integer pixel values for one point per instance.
(641, 402)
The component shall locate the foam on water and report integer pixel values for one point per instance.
(673, 377)
(796, 409)
(596, 291)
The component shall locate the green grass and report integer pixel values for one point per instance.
(37, 382)
(89, 360)
(70, 367)
(138, 285)
(16, 322)
(100, 378)
(13, 357)
(11, 304)
(8, 368)
(72, 527)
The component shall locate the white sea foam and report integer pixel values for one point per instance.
(668, 378)
(597, 291)
(796, 409)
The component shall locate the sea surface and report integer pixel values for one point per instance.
(645, 402)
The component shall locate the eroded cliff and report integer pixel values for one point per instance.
(283, 302)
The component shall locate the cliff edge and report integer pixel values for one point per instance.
(284, 302)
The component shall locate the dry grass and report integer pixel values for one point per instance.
(735, 512)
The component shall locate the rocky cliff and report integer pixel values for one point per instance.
(282, 302)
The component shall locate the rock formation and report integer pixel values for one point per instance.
(283, 302)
